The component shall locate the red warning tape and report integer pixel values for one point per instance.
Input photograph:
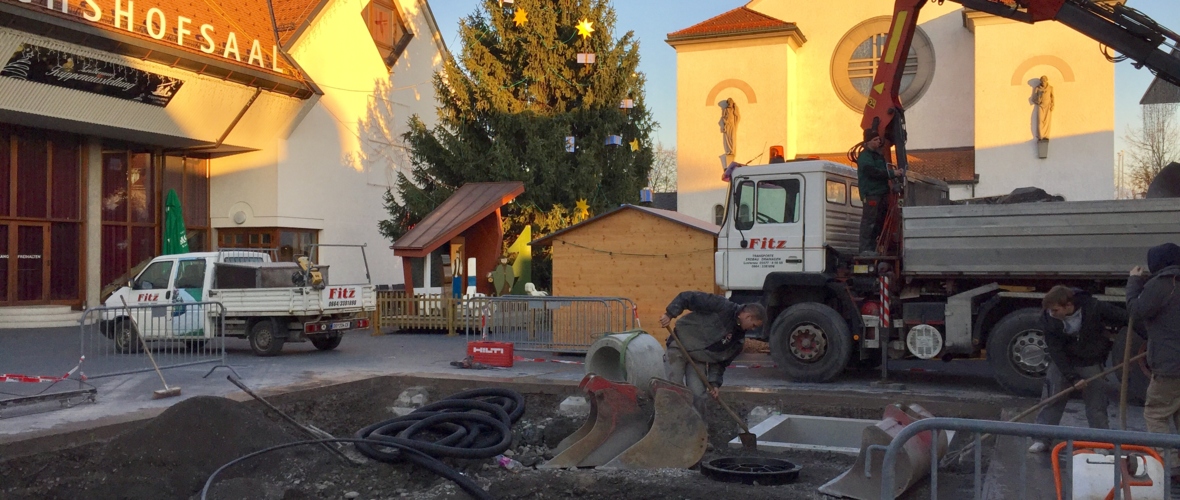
(32, 379)
(566, 362)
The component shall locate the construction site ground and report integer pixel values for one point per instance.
(118, 446)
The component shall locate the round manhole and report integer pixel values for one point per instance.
(751, 470)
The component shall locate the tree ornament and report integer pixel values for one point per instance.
(520, 17)
(585, 28)
(613, 140)
(634, 144)
(587, 58)
(581, 210)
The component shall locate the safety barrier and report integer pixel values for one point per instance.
(557, 324)
(1015, 429)
(175, 333)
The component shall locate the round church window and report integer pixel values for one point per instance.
(854, 64)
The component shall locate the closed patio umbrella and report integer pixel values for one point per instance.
(175, 235)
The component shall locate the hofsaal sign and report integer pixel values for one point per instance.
(34, 63)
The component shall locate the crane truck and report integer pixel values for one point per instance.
(948, 281)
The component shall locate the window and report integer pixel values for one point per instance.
(837, 192)
(855, 60)
(388, 29)
(189, 177)
(155, 277)
(191, 274)
(291, 243)
(743, 218)
(718, 214)
(777, 201)
(855, 196)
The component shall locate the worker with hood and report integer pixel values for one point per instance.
(713, 334)
(1154, 302)
(1075, 324)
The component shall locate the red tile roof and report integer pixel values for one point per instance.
(739, 21)
(948, 164)
(249, 20)
(468, 205)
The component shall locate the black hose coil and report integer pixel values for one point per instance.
(473, 424)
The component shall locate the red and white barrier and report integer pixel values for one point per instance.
(36, 379)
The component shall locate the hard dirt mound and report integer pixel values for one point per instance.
(172, 455)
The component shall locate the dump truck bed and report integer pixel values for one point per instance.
(1102, 239)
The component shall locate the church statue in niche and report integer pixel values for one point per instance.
(728, 123)
(1043, 98)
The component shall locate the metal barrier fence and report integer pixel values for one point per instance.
(1016, 429)
(559, 324)
(177, 334)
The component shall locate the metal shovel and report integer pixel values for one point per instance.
(749, 440)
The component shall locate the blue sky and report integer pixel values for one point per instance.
(652, 20)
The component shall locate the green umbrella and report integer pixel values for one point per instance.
(175, 236)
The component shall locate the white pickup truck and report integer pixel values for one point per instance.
(268, 303)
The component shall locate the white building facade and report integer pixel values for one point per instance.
(799, 74)
(275, 132)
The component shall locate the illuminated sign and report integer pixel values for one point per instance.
(165, 26)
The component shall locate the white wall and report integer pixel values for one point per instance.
(328, 168)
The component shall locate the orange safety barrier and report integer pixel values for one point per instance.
(1082, 446)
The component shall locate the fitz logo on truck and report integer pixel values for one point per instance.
(767, 244)
(148, 297)
(342, 297)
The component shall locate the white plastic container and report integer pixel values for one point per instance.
(1093, 477)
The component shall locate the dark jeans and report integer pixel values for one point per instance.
(872, 219)
(1094, 396)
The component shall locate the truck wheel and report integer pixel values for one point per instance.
(810, 342)
(125, 336)
(1017, 352)
(265, 339)
(326, 343)
(1140, 373)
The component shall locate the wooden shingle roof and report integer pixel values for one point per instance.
(463, 209)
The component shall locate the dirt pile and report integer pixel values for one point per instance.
(171, 456)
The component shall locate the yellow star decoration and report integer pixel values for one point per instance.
(634, 144)
(520, 17)
(585, 28)
(581, 210)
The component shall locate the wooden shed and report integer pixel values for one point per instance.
(645, 254)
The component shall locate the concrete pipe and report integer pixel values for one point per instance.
(633, 357)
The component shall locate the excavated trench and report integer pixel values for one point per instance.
(172, 455)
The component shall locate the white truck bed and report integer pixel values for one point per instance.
(304, 301)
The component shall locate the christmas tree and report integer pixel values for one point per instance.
(533, 76)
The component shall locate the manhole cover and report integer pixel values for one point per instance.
(751, 470)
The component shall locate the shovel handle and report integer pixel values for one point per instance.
(705, 379)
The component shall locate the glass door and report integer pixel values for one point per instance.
(25, 271)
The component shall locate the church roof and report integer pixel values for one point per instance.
(739, 21)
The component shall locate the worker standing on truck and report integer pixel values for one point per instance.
(1154, 301)
(1075, 324)
(713, 335)
(873, 175)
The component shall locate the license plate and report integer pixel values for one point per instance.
(341, 325)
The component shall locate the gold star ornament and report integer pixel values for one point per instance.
(520, 17)
(634, 144)
(581, 210)
(585, 28)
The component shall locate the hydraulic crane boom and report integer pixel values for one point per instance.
(1121, 28)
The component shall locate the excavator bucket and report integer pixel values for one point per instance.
(678, 434)
(863, 480)
(616, 422)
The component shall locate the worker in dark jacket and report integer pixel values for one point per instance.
(1154, 301)
(873, 175)
(713, 334)
(1075, 326)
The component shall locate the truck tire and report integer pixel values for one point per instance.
(125, 336)
(811, 342)
(326, 343)
(1140, 373)
(265, 339)
(1017, 353)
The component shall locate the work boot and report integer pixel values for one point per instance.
(1038, 447)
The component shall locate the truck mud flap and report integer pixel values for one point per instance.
(678, 436)
(618, 434)
(863, 480)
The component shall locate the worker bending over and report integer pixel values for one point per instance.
(713, 335)
(1075, 325)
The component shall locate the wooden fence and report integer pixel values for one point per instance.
(397, 311)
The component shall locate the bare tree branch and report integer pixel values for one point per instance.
(663, 170)
(1153, 145)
